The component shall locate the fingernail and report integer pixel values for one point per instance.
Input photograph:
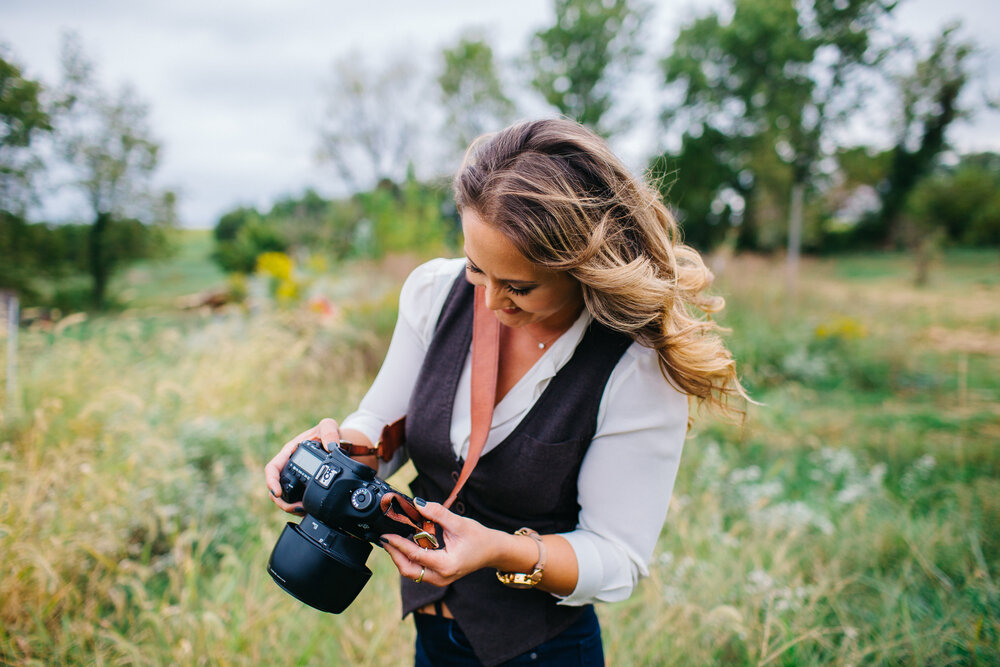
(420, 501)
(383, 539)
(271, 492)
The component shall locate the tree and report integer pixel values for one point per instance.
(23, 118)
(962, 201)
(471, 91)
(373, 120)
(109, 148)
(929, 101)
(779, 74)
(582, 61)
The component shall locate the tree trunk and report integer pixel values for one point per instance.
(795, 223)
(100, 263)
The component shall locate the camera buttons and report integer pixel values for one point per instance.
(362, 499)
(326, 473)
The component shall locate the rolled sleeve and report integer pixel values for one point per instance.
(388, 398)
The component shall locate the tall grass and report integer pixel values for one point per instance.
(854, 519)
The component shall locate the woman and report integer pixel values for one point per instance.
(598, 356)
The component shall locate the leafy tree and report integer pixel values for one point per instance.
(702, 184)
(779, 74)
(23, 118)
(930, 102)
(580, 63)
(108, 145)
(471, 91)
(373, 120)
(241, 236)
(963, 201)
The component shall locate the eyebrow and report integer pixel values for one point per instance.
(509, 281)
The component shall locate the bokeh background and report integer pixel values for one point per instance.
(207, 209)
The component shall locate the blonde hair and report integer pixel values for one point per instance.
(568, 203)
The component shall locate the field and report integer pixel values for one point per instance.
(854, 518)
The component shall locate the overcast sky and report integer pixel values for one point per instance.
(235, 88)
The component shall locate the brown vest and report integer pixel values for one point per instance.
(530, 479)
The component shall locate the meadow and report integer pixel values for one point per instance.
(852, 519)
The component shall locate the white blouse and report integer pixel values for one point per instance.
(628, 472)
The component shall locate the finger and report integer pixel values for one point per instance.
(329, 432)
(437, 513)
(410, 551)
(272, 471)
(408, 567)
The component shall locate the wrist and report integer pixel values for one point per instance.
(526, 577)
(512, 552)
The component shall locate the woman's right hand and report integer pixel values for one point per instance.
(327, 432)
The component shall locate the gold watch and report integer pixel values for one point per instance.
(520, 579)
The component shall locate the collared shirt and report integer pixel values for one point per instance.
(628, 473)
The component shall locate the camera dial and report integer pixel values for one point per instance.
(362, 499)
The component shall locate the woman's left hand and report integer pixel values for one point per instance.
(468, 546)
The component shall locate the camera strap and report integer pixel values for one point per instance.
(485, 360)
(485, 363)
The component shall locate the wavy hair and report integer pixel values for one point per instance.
(556, 190)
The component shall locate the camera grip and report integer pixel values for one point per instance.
(399, 508)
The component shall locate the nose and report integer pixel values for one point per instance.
(495, 297)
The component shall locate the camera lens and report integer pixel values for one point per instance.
(362, 499)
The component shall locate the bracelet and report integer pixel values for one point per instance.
(521, 579)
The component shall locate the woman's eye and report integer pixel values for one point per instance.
(472, 269)
(519, 291)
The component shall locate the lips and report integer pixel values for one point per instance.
(511, 311)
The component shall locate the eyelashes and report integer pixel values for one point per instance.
(516, 291)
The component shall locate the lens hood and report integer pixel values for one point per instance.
(327, 572)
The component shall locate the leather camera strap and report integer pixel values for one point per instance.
(401, 509)
(485, 360)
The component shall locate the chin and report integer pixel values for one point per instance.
(518, 319)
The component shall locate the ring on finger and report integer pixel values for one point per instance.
(421, 576)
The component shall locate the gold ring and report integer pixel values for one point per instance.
(421, 577)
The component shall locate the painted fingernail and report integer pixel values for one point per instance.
(420, 501)
(383, 539)
(271, 492)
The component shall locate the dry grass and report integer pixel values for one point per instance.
(853, 521)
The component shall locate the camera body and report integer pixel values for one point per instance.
(321, 560)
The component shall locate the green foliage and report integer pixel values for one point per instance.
(580, 63)
(23, 118)
(404, 219)
(410, 218)
(52, 264)
(964, 201)
(930, 102)
(243, 234)
(777, 79)
(472, 92)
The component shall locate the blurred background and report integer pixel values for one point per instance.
(206, 211)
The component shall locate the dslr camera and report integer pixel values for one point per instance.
(321, 560)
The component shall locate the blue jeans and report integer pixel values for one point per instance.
(441, 643)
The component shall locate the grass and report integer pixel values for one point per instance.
(854, 519)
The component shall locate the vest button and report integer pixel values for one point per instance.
(458, 507)
(454, 475)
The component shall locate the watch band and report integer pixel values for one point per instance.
(521, 579)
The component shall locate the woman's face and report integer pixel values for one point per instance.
(517, 291)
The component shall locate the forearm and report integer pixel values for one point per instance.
(358, 438)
